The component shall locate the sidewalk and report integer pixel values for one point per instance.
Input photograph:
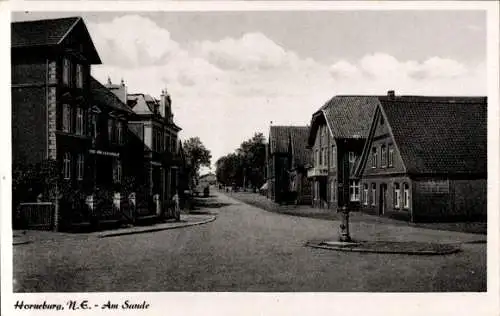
(21, 237)
(479, 228)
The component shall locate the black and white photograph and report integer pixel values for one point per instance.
(250, 151)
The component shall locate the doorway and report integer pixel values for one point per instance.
(382, 199)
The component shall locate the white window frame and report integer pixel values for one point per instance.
(67, 166)
(111, 126)
(95, 120)
(334, 157)
(374, 194)
(365, 193)
(80, 167)
(119, 132)
(66, 72)
(352, 157)
(79, 76)
(390, 156)
(66, 118)
(406, 195)
(117, 170)
(374, 157)
(397, 195)
(79, 121)
(354, 191)
(383, 156)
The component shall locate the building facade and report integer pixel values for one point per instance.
(156, 142)
(61, 114)
(425, 159)
(286, 163)
(336, 139)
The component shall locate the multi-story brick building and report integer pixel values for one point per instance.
(337, 136)
(60, 113)
(426, 158)
(153, 125)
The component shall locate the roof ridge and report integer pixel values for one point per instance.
(43, 20)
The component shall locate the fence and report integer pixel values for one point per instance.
(38, 216)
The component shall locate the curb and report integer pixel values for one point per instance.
(155, 229)
(360, 248)
(15, 243)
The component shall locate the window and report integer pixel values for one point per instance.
(117, 170)
(79, 121)
(119, 132)
(66, 116)
(111, 127)
(334, 157)
(397, 195)
(352, 157)
(383, 156)
(79, 76)
(67, 166)
(374, 157)
(321, 157)
(80, 167)
(365, 194)
(390, 158)
(66, 71)
(94, 125)
(352, 160)
(354, 190)
(406, 195)
(333, 188)
(374, 194)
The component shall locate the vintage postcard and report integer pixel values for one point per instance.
(249, 158)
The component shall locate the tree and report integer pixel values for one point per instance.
(245, 167)
(196, 154)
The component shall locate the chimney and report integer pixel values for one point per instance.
(119, 90)
(391, 94)
(163, 103)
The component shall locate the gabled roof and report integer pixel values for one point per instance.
(279, 137)
(103, 96)
(50, 32)
(300, 153)
(437, 135)
(346, 116)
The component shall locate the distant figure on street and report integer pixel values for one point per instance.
(177, 208)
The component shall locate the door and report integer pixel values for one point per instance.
(382, 199)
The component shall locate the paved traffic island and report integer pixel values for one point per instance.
(394, 247)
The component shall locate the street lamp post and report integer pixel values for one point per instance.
(344, 235)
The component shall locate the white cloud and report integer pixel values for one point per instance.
(252, 51)
(378, 72)
(224, 91)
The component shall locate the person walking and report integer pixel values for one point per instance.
(177, 208)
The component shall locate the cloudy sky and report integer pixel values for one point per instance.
(231, 73)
